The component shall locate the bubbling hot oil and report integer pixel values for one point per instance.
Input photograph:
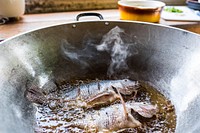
(58, 114)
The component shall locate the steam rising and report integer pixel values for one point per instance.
(116, 43)
(79, 56)
(119, 50)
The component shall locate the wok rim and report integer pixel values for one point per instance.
(94, 21)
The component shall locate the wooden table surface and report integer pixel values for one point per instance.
(34, 21)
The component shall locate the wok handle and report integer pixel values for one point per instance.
(89, 14)
(3, 20)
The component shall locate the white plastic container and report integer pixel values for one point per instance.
(12, 8)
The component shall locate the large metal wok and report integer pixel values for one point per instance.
(167, 57)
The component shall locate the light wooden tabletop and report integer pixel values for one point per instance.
(34, 21)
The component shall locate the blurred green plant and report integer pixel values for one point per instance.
(173, 10)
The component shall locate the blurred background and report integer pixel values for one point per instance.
(44, 6)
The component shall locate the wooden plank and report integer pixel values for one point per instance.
(34, 21)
